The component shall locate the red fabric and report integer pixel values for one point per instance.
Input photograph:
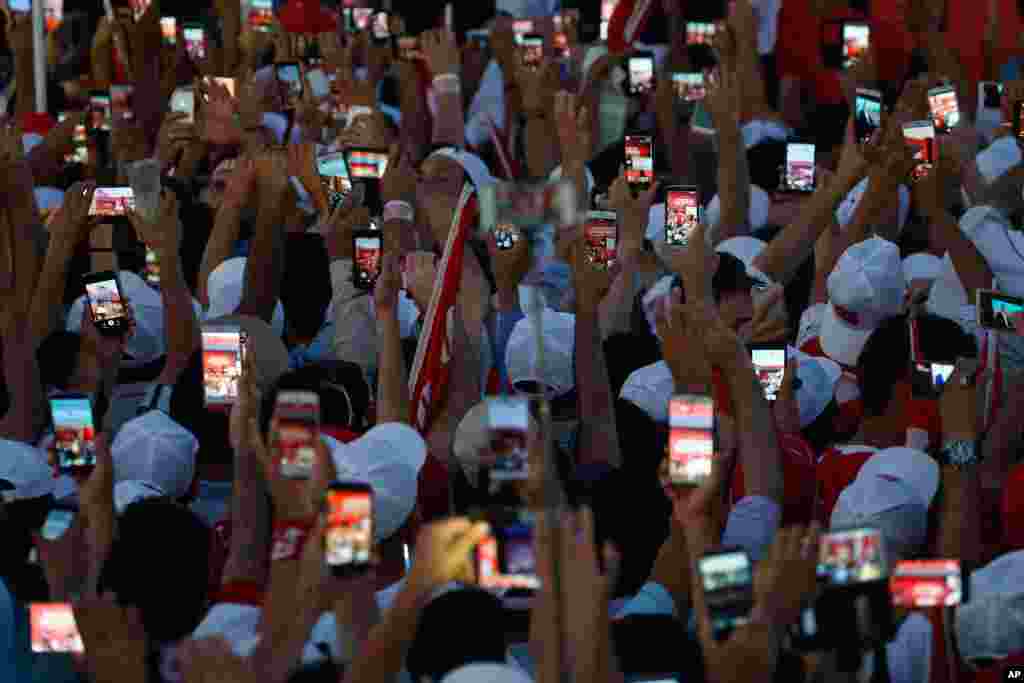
(306, 16)
(1013, 509)
(836, 470)
(623, 19)
(798, 473)
(851, 412)
(341, 434)
(997, 672)
(924, 414)
(240, 593)
(39, 123)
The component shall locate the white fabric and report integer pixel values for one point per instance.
(767, 24)
(525, 9)
(991, 625)
(998, 158)
(651, 599)
(224, 287)
(1002, 247)
(25, 467)
(818, 379)
(910, 652)
(653, 299)
(473, 165)
(947, 297)
(488, 104)
(132, 491)
(752, 524)
(486, 673)
(921, 266)
(559, 342)
(48, 198)
(650, 388)
(761, 130)
(155, 449)
(757, 214)
(846, 208)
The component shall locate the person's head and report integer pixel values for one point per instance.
(341, 387)
(883, 363)
(305, 286)
(159, 562)
(765, 161)
(375, 130)
(60, 361)
(466, 625)
(26, 496)
(730, 287)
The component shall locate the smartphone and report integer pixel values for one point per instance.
(532, 50)
(639, 161)
(867, 113)
(152, 268)
(409, 48)
(506, 235)
(261, 15)
(297, 414)
(509, 421)
(53, 14)
(520, 29)
(728, 580)
(926, 583)
(99, 110)
(20, 6)
(121, 101)
(799, 176)
(770, 366)
(364, 163)
(1000, 312)
(504, 558)
(691, 422)
(640, 68)
(856, 41)
(58, 520)
(289, 82)
(184, 100)
(334, 178)
(601, 238)
(112, 201)
(991, 94)
(381, 27)
(700, 32)
(689, 85)
(607, 10)
(682, 214)
(318, 83)
(367, 247)
(74, 433)
(169, 31)
(928, 379)
(361, 17)
(79, 153)
(1018, 120)
(850, 556)
(223, 355)
(944, 108)
(348, 533)
(195, 42)
(921, 136)
(53, 628)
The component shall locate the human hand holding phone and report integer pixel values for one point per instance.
(444, 553)
(294, 499)
(114, 638)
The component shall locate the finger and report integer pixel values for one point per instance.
(323, 472)
(465, 543)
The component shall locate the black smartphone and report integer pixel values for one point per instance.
(223, 357)
(921, 136)
(532, 50)
(508, 419)
(106, 303)
(334, 178)
(691, 438)
(851, 556)
(856, 42)
(769, 362)
(367, 246)
(600, 238)
(689, 85)
(799, 175)
(505, 559)
(867, 113)
(365, 163)
(289, 82)
(99, 110)
(381, 28)
(920, 584)
(348, 532)
(682, 214)
(112, 201)
(74, 433)
(728, 580)
(1000, 312)
(944, 108)
(195, 41)
(639, 153)
(640, 68)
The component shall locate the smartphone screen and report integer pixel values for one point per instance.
(184, 100)
(80, 146)
(481, 38)
(682, 215)
(856, 39)
(639, 160)
(223, 355)
(334, 178)
(851, 556)
(195, 42)
(20, 5)
(121, 101)
(921, 136)
(348, 537)
(600, 238)
(169, 31)
(1000, 312)
(509, 422)
(728, 579)
(691, 441)
(366, 163)
(381, 26)
(770, 366)
(361, 17)
(506, 235)
(112, 201)
(152, 271)
(799, 175)
(74, 434)
(991, 94)
(641, 74)
(318, 83)
(867, 113)
(944, 108)
(261, 14)
(297, 415)
(700, 32)
(99, 111)
(688, 85)
(289, 80)
(532, 50)
(105, 301)
(505, 559)
(926, 583)
(367, 250)
(58, 521)
(53, 628)
(928, 379)
(53, 14)
(520, 28)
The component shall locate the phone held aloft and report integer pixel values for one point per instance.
(349, 527)
(691, 444)
(107, 307)
(297, 425)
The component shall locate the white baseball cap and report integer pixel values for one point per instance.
(757, 214)
(818, 378)
(388, 458)
(991, 624)
(472, 436)
(921, 266)
(998, 158)
(24, 472)
(864, 289)
(892, 492)
(558, 339)
(132, 491)
(224, 287)
(844, 213)
(1000, 245)
(486, 673)
(650, 388)
(154, 448)
(30, 141)
(762, 130)
(653, 297)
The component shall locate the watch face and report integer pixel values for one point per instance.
(960, 453)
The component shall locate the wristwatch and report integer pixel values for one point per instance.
(961, 454)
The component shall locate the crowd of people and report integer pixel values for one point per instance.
(291, 392)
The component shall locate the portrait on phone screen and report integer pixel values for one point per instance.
(600, 241)
(639, 162)
(53, 628)
(682, 216)
(349, 527)
(195, 43)
(689, 86)
(367, 259)
(851, 556)
(800, 167)
(74, 435)
(944, 107)
(222, 365)
(922, 139)
(855, 43)
(105, 301)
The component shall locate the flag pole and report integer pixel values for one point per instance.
(39, 55)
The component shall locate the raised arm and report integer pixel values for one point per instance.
(444, 62)
(725, 101)
(392, 388)
(265, 267)
(227, 225)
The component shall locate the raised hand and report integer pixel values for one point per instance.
(72, 224)
(385, 290)
(218, 113)
(572, 121)
(441, 52)
(444, 553)
(175, 136)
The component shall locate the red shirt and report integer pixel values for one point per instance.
(836, 470)
(798, 473)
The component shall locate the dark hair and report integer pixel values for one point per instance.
(188, 408)
(460, 627)
(57, 357)
(325, 671)
(639, 642)
(821, 432)
(159, 562)
(306, 283)
(942, 340)
(731, 276)
(884, 360)
(765, 159)
(20, 520)
(340, 385)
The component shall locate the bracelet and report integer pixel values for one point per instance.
(447, 84)
(396, 209)
(289, 537)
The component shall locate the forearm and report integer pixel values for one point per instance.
(449, 123)
(231, 18)
(960, 528)
(250, 529)
(28, 238)
(541, 155)
(46, 312)
(392, 389)
(970, 266)
(755, 427)
(180, 324)
(598, 436)
(385, 650)
(544, 637)
(617, 306)
(26, 415)
(149, 102)
(226, 228)
(733, 183)
(24, 74)
(265, 267)
(288, 618)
